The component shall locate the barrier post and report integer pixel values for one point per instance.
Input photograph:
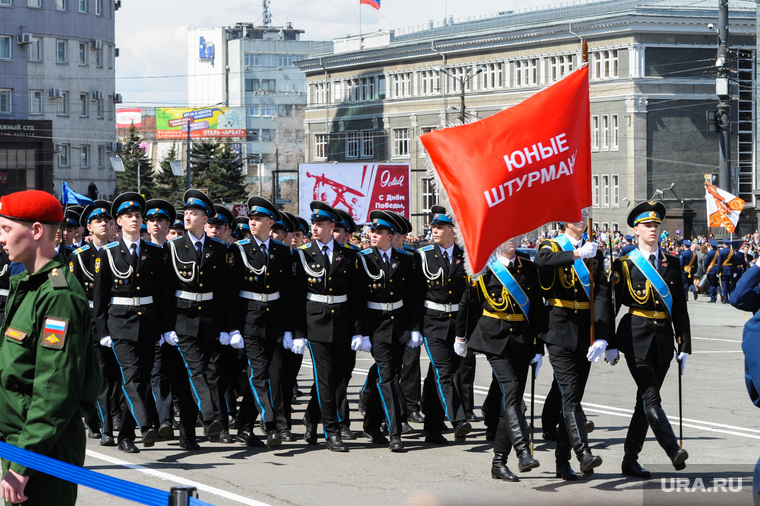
(180, 495)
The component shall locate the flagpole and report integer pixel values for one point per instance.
(584, 56)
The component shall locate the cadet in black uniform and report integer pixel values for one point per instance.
(328, 311)
(564, 277)
(689, 264)
(505, 307)
(387, 281)
(726, 263)
(262, 282)
(648, 280)
(127, 295)
(442, 283)
(198, 275)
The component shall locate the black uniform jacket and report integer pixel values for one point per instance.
(319, 321)
(209, 274)
(636, 334)
(397, 284)
(570, 327)
(493, 335)
(441, 282)
(116, 276)
(82, 266)
(251, 271)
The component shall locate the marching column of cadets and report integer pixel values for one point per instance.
(187, 321)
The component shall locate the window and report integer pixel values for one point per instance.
(492, 77)
(99, 108)
(61, 48)
(605, 134)
(614, 134)
(526, 72)
(429, 195)
(320, 145)
(35, 3)
(285, 110)
(269, 110)
(63, 104)
(595, 191)
(35, 50)
(98, 7)
(6, 2)
(605, 64)
(35, 102)
(368, 88)
(560, 66)
(261, 85)
(352, 144)
(422, 151)
(101, 157)
(430, 82)
(605, 190)
(99, 58)
(60, 5)
(271, 60)
(5, 47)
(594, 133)
(367, 145)
(254, 110)
(84, 152)
(83, 53)
(400, 142)
(401, 85)
(63, 155)
(615, 191)
(82, 5)
(5, 101)
(84, 105)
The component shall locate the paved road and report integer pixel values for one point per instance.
(720, 432)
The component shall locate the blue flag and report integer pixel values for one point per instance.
(69, 196)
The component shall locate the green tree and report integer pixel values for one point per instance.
(133, 157)
(201, 157)
(169, 186)
(226, 176)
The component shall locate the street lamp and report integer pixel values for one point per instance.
(463, 80)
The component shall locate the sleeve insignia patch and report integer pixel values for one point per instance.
(15, 334)
(54, 333)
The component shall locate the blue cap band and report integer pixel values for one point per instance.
(157, 210)
(647, 216)
(443, 218)
(97, 212)
(192, 201)
(343, 224)
(129, 204)
(220, 217)
(262, 210)
(321, 215)
(72, 222)
(244, 226)
(382, 223)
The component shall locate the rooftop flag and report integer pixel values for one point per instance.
(723, 209)
(69, 196)
(373, 3)
(517, 170)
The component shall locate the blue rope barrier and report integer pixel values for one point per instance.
(198, 502)
(91, 479)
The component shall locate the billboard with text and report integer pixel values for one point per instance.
(211, 122)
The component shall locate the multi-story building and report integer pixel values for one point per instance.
(57, 77)
(652, 85)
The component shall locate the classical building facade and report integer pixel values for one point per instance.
(652, 80)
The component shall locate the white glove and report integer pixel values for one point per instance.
(170, 338)
(106, 341)
(224, 338)
(287, 340)
(596, 350)
(538, 360)
(160, 341)
(460, 346)
(682, 360)
(236, 340)
(415, 340)
(366, 344)
(299, 346)
(588, 250)
(356, 343)
(611, 356)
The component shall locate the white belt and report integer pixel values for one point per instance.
(327, 299)
(131, 301)
(197, 297)
(447, 308)
(385, 306)
(4, 292)
(261, 297)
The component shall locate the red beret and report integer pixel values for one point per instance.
(31, 205)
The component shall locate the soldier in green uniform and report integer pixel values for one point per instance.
(49, 378)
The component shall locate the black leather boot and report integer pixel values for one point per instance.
(658, 420)
(576, 433)
(518, 433)
(562, 459)
(634, 441)
(501, 448)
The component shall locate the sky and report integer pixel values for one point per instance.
(151, 35)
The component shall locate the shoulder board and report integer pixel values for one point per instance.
(304, 246)
(152, 244)
(111, 245)
(243, 242)
(82, 249)
(57, 279)
(365, 251)
(426, 248)
(217, 240)
(624, 257)
(278, 242)
(404, 252)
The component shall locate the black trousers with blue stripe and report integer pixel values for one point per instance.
(385, 397)
(259, 352)
(441, 398)
(571, 369)
(135, 359)
(196, 354)
(328, 361)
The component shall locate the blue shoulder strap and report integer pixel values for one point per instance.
(578, 265)
(510, 283)
(653, 276)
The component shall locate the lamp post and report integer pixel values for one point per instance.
(463, 80)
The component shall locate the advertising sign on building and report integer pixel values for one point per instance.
(125, 118)
(356, 187)
(211, 122)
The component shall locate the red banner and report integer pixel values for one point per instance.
(517, 170)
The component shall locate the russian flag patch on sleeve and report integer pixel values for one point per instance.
(54, 333)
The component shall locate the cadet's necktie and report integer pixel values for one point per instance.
(386, 263)
(199, 249)
(447, 261)
(134, 255)
(653, 260)
(326, 253)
